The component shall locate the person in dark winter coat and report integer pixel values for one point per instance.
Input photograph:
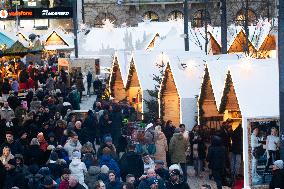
(34, 154)
(116, 124)
(34, 179)
(74, 98)
(237, 150)
(2, 175)
(90, 125)
(89, 81)
(13, 177)
(277, 180)
(131, 163)
(105, 125)
(80, 85)
(169, 130)
(6, 87)
(82, 135)
(107, 160)
(216, 157)
(176, 181)
(15, 148)
(113, 182)
(92, 176)
(54, 167)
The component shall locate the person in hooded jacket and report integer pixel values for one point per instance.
(92, 176)
(131, 163)
(106, 159)
(113, 181)
(277, 180)
(77, 167)
(216, 157)
(176, 181)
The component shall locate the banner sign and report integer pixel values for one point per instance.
(34, 13)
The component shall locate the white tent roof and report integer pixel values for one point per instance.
(145, 63)
(123, 60)
(188, 73)
(257, 87)
(218, 67)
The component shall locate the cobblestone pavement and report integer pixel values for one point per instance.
(196, 182)
(87, 102)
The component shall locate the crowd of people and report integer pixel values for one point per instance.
(46, 145)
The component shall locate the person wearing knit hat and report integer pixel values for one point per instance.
(176, 180)
(277, 180)
(278, 164)
(77, 167)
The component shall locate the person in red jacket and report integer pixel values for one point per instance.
(31, 83)
(64, 183)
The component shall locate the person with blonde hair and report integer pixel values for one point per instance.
(161, 145)
(6, 155)
(272, 146)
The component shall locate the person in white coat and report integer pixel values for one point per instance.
(78, 168)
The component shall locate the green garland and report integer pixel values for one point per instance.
(226, 91)
(206, 79)
(113, 77)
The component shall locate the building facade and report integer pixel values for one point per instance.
(36, 15)
(131, 12)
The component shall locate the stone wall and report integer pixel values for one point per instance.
(133, 14)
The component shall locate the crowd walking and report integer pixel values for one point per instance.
(44, 144)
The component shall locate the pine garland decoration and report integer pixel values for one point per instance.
(153, 104)
(206, 79)
(226, 91)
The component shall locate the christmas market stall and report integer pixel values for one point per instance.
(258, 101)
(5, 41)
(144, 67)
(238, 44)
(118, 77)
(212, 89)
(267, 48)
(179, 90)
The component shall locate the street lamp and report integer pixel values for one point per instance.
(186, 15)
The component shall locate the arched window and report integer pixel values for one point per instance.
(151, 16)
(199, 18)
(240, 18)
(99, 20)
(174, 15)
